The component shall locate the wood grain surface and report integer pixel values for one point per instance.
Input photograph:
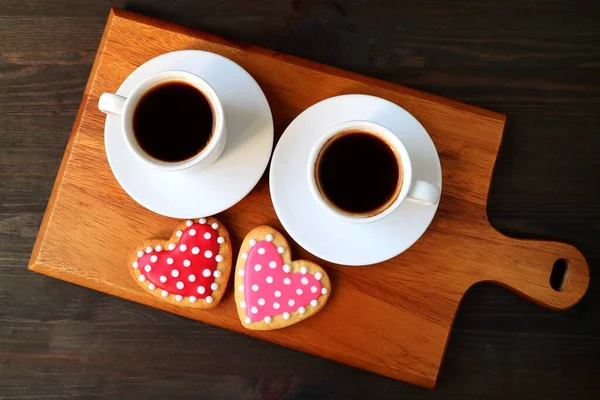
(91, 225)
(542, 72)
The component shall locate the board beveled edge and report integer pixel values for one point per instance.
(33, 264)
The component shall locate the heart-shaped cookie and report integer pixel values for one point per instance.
(190, 269)
(271, 290)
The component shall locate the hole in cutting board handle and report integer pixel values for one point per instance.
(560, 274)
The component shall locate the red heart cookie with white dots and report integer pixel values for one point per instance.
(271, 290)
(191, 269)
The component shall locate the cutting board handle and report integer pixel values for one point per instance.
(526, 267)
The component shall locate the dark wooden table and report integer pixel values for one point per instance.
(537, 61)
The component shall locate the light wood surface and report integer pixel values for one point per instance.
(393, 318)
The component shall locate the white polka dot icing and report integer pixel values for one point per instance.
(180, 267)
(275, 289)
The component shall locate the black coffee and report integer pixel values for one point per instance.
(358, 172)
(173, 121)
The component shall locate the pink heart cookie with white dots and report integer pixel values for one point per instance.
(191, 269)
(271, 290)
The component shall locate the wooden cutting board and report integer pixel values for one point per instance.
(393, 318)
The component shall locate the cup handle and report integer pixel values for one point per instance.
(423, 192)
(110, 103)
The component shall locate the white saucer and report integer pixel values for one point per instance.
(232, 176)
(320, 232)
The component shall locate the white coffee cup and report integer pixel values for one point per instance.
(124, 107)
(416, 191)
